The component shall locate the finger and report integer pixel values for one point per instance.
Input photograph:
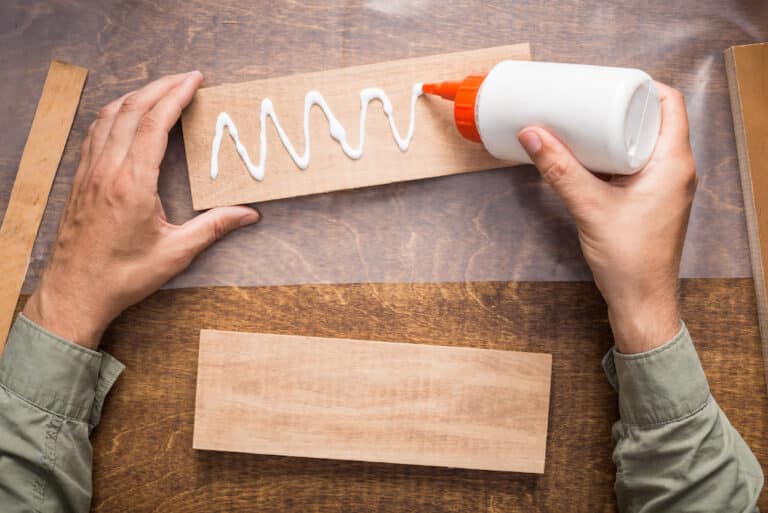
(102, 125)
(85, 160)
(86, 150)
(200, 232)
(99, 132)
(674, 118)
(576, 186)
(132, 109)
(674, 142)
(152, 133)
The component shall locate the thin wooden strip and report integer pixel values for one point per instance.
(747, 70)
(39, 162)
(372, 401)
(437, 148)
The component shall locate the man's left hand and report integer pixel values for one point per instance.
(115, 245)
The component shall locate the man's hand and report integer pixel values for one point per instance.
(114, 245)
(631, 228)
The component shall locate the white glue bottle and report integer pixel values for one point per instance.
(609, 117)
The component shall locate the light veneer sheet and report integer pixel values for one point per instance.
(361, 400)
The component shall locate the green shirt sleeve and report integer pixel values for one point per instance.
(675, 449)
(51, 393)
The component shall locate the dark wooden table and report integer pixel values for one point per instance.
(142, 449)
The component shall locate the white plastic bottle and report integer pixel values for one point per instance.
(609, 117)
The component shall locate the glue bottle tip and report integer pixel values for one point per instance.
(446, 90)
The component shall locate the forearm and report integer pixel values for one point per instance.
(675, 449)
(51, 393)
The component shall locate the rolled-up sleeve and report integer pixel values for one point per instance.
(675, 449)
(51, 396)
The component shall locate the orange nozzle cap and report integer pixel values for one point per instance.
(445, 90)
(464, 96)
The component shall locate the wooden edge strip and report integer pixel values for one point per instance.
(745, 172)
(39, 161)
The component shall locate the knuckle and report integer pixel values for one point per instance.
(92, 188)
(676, 93)
(691, 170)
(148, 125)
(121, 190)
(688, 165)
(555, 171)
(218, 229)
(95, 186)
(692, 178)
(132, 103)
(180, 258)
(686, 179)
(95, 180)
(108, 111)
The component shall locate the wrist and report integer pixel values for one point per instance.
(63, 318)
(644, 326)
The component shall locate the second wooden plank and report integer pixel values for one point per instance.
(372, 401)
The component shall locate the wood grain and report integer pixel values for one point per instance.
(372, 401)
(436, 150)
(143, 456)
(39, 162)
(747, 69)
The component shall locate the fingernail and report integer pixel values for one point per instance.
(250, 218)
(192, 75)
(531, 142)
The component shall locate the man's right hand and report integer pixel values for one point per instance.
(631, 228)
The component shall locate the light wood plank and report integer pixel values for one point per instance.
(747, 70)
(39, 162)
(436, 150)
(372, 401)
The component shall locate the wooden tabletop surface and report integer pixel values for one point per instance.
(142, 449)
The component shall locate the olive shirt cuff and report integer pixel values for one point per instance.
(56, 375)
(660, 386)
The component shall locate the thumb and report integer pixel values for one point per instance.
(571, 181)
(203, 230)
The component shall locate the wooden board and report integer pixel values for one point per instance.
(372, 401)
(437, 148)
(39, 162)
(747, 70)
